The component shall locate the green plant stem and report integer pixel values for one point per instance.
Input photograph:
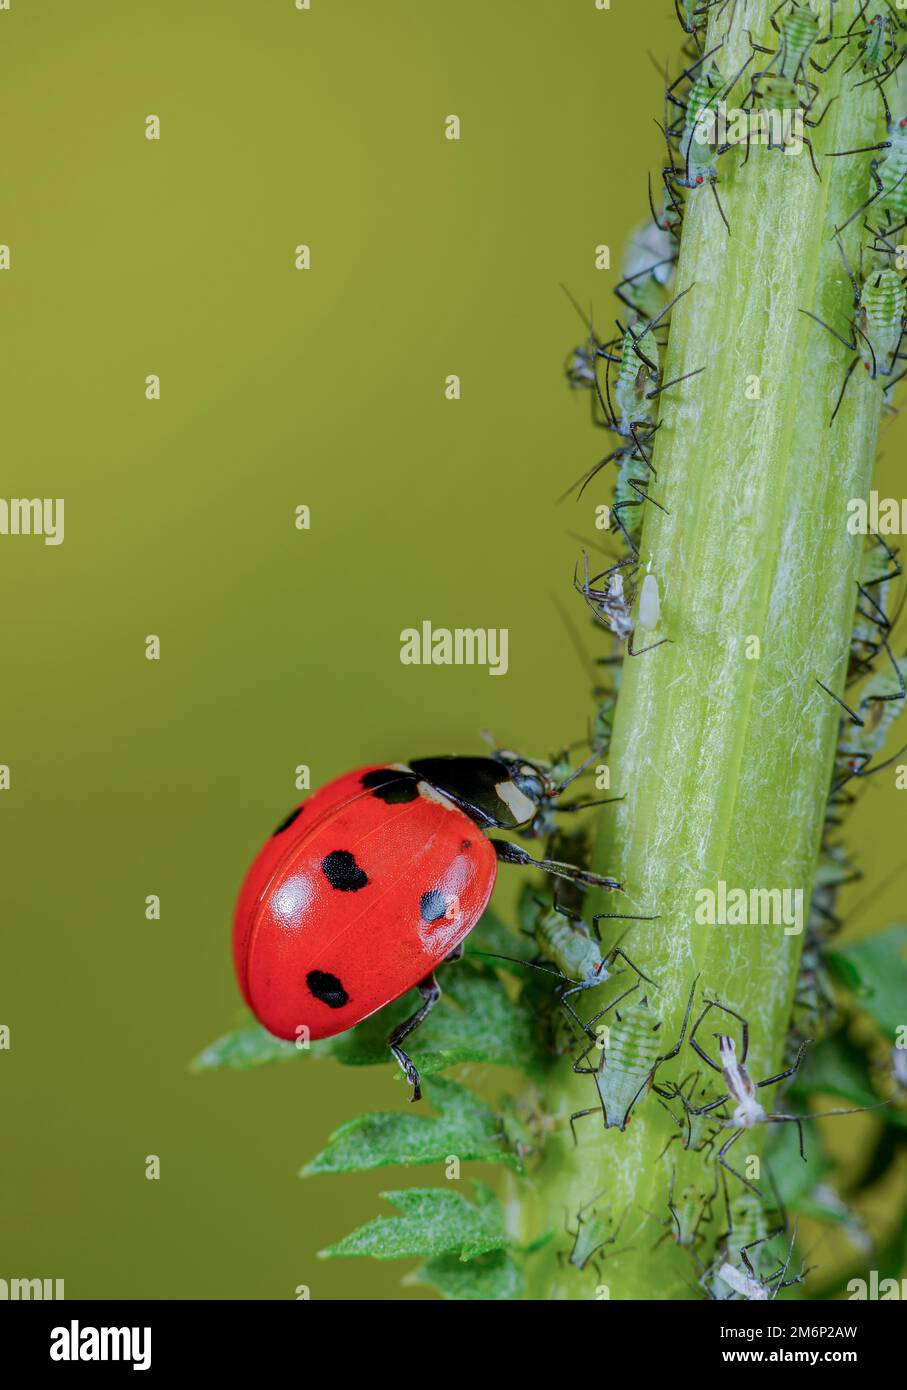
(724, 757)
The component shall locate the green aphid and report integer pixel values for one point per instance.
(525, 1126)
(638, 372)
(630, 493)
(882, 701)
(888, 200)
(883, 301)
(648, 269)
(697, 143)
(694, 15)
(876, 330)
(571, 948)
(568, 944)
(603, 727)
(590, 1236)
(799, 32)
(629, 1060)
(687, 1213)
(786, 81)
(879, 52)
(879, 567)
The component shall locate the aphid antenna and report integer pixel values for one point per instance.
(582, 655)
(895, 695)
(586, 318)
(650, 395)
(688, 71)
(662, 71)
(562, 992)
(577, 772)
(585, 479)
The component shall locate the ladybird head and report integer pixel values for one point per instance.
(533, 780)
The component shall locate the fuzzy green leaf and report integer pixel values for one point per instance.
(474, 1022)
(251, 1046)
(435, 1221)
(876, 971)
(492, 941)
(466, 1127)
(495, 1277)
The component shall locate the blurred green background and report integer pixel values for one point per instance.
(279, 646)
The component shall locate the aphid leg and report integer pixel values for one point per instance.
(840, 400)
(722, 1159)
(641, 651)
(431, 993)
(812, 154)
(848, 343)
(640, 275)
(697, 1047)
(782, 1075)
(591, 1071)
(640, 446)
(563, 995)
(665, 1057)
(617, 951)
(579, 1115)
(586, 478)
(621, 917)
(877, 180)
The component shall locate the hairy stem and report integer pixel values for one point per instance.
(723, 745)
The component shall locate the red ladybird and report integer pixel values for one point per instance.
(374, 881)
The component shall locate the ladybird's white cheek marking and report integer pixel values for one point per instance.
(521, 807)
(292, 899)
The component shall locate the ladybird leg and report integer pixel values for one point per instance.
(509, 853)
(456, 953)
(431, 993)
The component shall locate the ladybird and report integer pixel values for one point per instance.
(373, 881)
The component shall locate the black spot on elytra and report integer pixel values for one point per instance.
(285, 824)
(327, 988)
(342, 872)
(392, 787)
(432, 905)
(466, 844)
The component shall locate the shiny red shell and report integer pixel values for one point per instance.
(354, 902)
